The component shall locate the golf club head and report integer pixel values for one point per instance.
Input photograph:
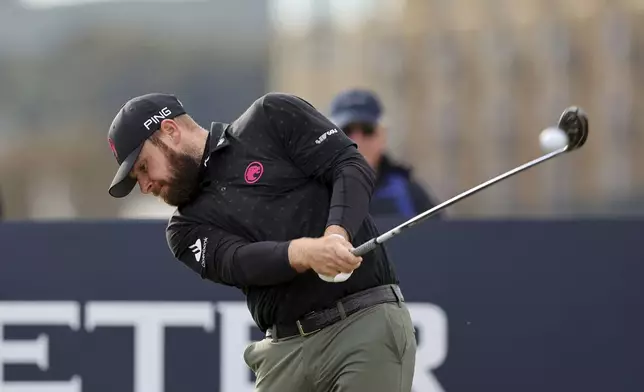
(574, 122)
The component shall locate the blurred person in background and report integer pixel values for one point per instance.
(358, 112)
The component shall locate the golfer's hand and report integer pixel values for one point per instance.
(329, 255)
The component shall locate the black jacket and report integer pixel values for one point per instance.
(279, 172)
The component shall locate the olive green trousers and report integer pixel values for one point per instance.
(372, 350)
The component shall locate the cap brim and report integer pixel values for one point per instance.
(351, 117)
(122, 184)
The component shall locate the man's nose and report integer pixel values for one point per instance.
(146, 186)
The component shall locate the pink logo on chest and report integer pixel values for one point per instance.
(254, 172)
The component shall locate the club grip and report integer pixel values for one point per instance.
(365, 248)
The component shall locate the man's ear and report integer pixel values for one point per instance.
(170, 131)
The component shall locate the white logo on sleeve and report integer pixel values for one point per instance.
(198, 249)
(326, 134)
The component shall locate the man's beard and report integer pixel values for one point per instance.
(185, 178)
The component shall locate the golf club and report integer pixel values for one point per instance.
(573, 122)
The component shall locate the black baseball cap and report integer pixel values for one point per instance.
(355, 106)
(135, 122)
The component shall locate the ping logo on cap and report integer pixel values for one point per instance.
(163, 113)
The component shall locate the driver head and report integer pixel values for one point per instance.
(574, 122)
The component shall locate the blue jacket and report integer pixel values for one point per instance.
(397, 193)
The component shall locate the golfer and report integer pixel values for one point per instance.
(265, 204)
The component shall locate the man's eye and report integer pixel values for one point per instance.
(143, 168)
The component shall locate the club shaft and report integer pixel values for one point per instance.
(373, 243)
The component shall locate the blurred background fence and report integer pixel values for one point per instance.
(467, 86)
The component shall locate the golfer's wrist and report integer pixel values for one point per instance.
(297, 254)
(338, 230)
